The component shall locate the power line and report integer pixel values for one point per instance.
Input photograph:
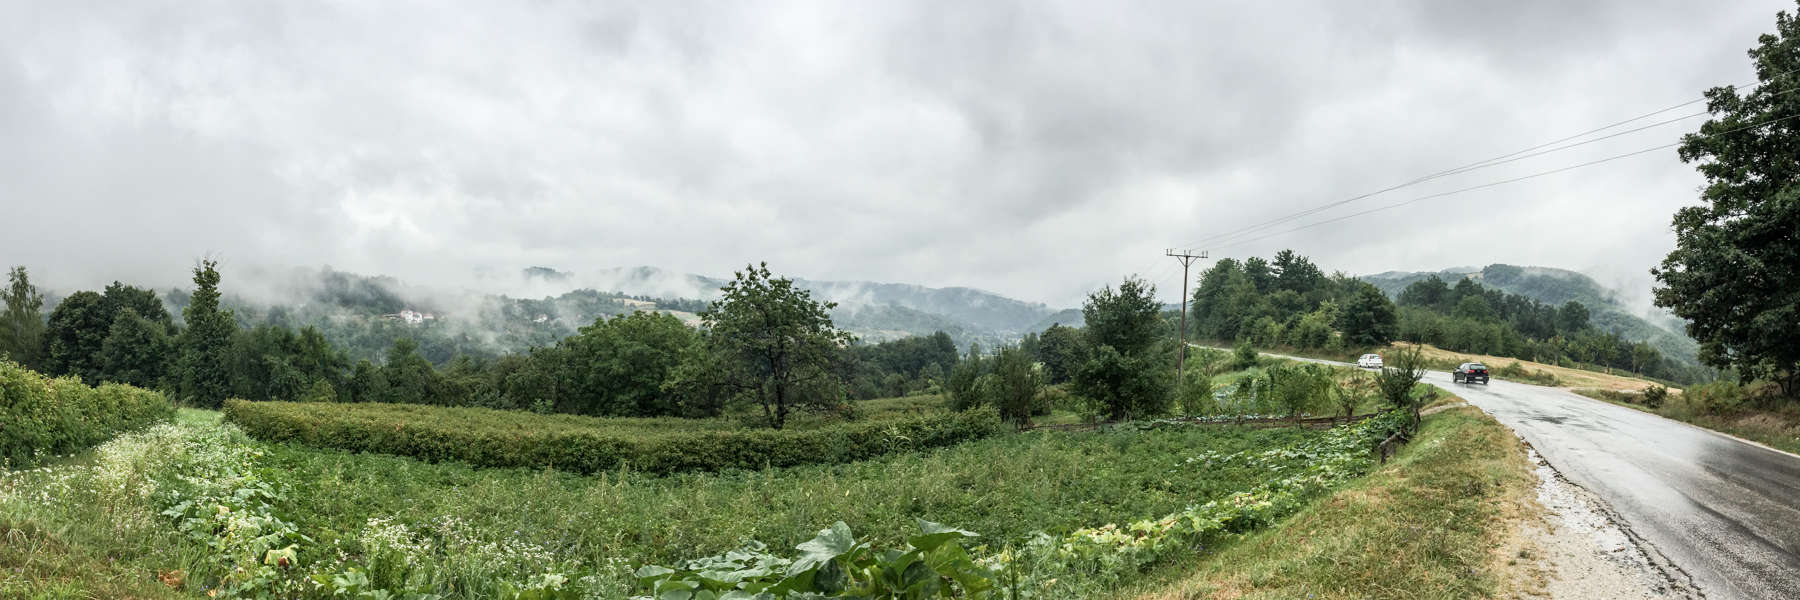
(1501, 182)
(1482, 164)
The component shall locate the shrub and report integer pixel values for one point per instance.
(493, 438)
(1655, 395)
(1196, 394)
(40, 415)
(1243, 357)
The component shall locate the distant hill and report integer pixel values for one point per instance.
(1556, 287)
(364, 314)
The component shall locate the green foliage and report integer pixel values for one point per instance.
(775, 342)
(1126, 371)
(75, 334)
(1128, 320)
(1062, 350)
(1195, 397)
(1368, 318)
(1127, 387)
(1732, 272)
(1297, 388)
(620, 366)
(932, 564)
(22, 321)
(1243, 357)
(202, 373)
(41, 416)
(1400, 372)
(136, 350)
(1016, 387)
(491, 438)
(965, 381)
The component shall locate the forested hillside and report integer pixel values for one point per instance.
(1557, 287)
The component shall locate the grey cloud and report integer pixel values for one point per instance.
(1034, 149)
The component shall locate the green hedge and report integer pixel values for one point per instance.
(495, 438)
(44, 416)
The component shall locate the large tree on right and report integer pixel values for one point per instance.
(1735, 271)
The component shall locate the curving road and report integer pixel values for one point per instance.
(1724, 513)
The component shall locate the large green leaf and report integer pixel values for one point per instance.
(828, 545)
(934, 535)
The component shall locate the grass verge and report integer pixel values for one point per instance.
(1425, 525)
(1777, 428)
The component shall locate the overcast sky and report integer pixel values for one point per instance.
(1034, 149)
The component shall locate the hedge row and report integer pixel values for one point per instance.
(493, 438)
(44, 416)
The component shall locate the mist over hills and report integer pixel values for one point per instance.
(1557, 286)
(536, 306)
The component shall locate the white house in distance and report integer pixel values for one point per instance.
(411, 317)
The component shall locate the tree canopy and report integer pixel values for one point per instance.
(1736, 262)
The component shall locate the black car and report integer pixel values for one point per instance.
(1470, 373)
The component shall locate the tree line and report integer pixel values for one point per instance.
(1289, 301)
(764, 344)
(1469, 317)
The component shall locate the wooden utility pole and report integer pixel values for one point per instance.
(1187, 257)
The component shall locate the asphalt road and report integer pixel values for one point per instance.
(1725, 513)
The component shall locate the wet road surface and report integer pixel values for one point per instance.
(1723, 512)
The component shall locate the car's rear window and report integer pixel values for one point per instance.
(1478, 366)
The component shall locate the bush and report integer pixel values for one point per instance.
(1655, 395)
(1196, 394)
(40, 415)
(493, 438)
(1243, 357)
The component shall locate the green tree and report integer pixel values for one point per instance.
(409, 377)
(1572, 318)
(1196, 394)
(1733, 270)
(1128, 319)
(1368, 318)
(22, 323)
(136, 350)
(73, 337)
(1016, 385)
(202, 373)
(1399, 373)
(619, 366)
(1127, 371)
(965, 379)
(777, 340)
(1062, 349)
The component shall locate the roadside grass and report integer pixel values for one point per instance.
(1777, 428)
(1433, 523)
(1500, 367)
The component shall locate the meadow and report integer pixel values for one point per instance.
(196, 508)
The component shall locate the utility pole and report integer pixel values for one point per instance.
(1187, 257)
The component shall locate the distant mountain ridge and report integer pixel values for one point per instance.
(1558, 286)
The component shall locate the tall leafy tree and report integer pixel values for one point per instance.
(619, 366)
(1733, 271)
(22, 323)
(776, 342)
(202, 372)
(1368, 317)
(1062, 349)
(73, 337)
(1127, 372)
(136, 350)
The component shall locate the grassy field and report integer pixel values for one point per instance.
(1433, 523)
(518, 522)
(195, 508)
